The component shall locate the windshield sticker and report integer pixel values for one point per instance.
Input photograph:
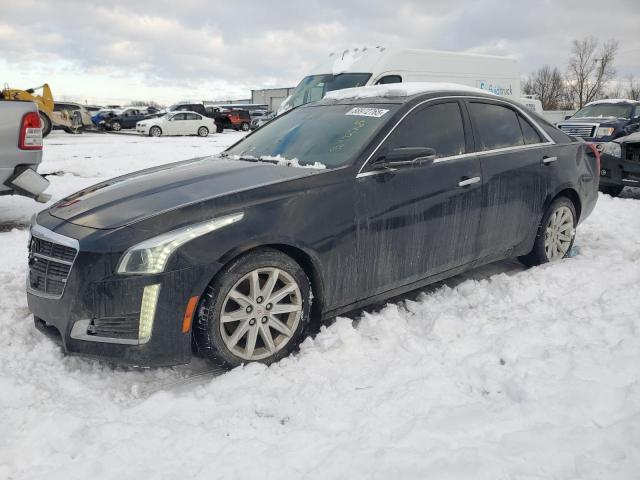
(367, 112)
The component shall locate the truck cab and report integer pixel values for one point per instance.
(604, 120)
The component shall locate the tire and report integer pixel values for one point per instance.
(245, 127)
(46, 124)
(613, 190)
(203, 132)
(219, 128)
(116, 126)
(228, 344)
(562, 235)
(155, 131)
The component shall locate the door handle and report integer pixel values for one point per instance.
(549, 160)
(468, 181)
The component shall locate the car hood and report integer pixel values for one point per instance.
(602, 121)
(128, 199)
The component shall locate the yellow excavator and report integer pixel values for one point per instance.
(44, 102)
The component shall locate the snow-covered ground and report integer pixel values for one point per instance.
(502, 373)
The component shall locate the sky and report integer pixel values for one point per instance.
(107, 52)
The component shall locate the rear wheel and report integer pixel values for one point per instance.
(46, 124)
(245, 127)
(155, 132)
(613, 190)
(203, 131)
(556, 234)
(255, 310)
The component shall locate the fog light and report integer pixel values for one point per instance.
(148, 312)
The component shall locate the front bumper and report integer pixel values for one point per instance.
(98, 313)
(616, 171)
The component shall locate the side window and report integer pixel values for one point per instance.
(193, 116)
(437, 126)
(530, 134)
(179, 116)
(389, 79)
(498, 126)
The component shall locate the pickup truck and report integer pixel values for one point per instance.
(603, 120)
(21, 151)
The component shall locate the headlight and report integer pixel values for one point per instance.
(604, 131)
(611, 148)
(151, 256)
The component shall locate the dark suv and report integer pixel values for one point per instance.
(610, 125)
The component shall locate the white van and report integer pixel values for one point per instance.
(371, 66)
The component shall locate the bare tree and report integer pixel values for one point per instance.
(547, 85)
(145, 103)
(633, 89)
(590, 68)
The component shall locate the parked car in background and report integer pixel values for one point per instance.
(400, 188)
(125, 118)
(71, 117)
(238, 120)
(261, 119)
(102, 114)
(604, 120)
(620, 164)
(177, 123)
(21, 150)
(199, 107)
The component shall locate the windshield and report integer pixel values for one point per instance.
(315, 87)
(327, 134)
(616, 110)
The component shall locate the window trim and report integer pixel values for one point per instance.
(549, 141)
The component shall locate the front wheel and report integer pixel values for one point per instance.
(255, 310)
(556, 234)
(116, 126)
(155, 132)
(613, 190)
(203, 131)
(245, 127)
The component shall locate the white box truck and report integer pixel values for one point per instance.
(371, 66)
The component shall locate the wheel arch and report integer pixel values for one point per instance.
(309, 263)
(571, 194)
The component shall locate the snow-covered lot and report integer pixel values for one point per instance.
(502, 373)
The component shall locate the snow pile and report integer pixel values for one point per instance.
(279, 160)
(501, 373)
(407, 89)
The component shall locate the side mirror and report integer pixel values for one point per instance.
(403, 157)
(567, 117)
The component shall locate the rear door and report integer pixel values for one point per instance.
(419, 221)
(193, 122)
(517, 165)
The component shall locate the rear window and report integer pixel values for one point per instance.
(497, 126)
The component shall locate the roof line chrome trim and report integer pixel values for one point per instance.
(539, 129)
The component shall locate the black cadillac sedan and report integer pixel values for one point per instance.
(332, 206)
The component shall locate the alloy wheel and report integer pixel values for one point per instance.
(559, 234)
(260, 313)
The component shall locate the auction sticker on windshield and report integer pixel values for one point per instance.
(367, 112)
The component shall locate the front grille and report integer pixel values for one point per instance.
(115, 327)
(632, 152)
(584, 130)
(49, 266)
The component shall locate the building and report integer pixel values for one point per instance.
(272, 97)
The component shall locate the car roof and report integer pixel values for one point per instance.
(614, 101)
(397, 93)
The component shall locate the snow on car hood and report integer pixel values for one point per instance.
(131, 198)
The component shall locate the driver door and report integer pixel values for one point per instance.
(176, 123)
(418, 221)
